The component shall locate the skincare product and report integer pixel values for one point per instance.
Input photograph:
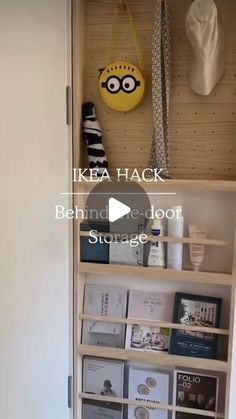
(156, 252)
(175, 229)
(197, 250)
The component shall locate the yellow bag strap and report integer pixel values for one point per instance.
(124, 7)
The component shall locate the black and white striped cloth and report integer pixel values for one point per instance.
(93, 137)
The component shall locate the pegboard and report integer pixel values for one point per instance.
(202, 129)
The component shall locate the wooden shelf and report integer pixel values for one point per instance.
(168, 239)
(156, 273)
(175, 326)
(148, 357)
(150, 405)
(202, 148)
(178, 184)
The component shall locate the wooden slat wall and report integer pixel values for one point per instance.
(202, 129)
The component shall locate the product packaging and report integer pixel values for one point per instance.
(94, 252)
(101, 300)
(148, 385)
(175, 250)
(101, 410)
(197, 251)
(149, 306)
(156, 252)
(195, 310)
(196, 391)
(103, 376)
(106, 378)
(125, 254)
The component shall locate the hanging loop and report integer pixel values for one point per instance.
(124, 7)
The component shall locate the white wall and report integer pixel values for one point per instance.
(35, 281)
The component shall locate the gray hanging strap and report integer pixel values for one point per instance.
(159, 157)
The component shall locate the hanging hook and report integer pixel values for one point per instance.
(122, 5)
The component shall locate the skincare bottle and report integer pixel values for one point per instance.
(156, 253)
(197, 250)
(175, 229)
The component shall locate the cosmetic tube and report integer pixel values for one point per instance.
(197, 251)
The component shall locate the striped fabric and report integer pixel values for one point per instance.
(93, 137)
(159, 157)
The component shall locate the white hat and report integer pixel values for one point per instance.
(205, 34)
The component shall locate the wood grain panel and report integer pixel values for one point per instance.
(202, 129)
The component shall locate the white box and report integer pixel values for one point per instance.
(148, 385)
(103, 376)
(94, 410)
(125, 254)
(149, 306)
(101, 300)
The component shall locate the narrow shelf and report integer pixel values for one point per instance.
(156, 273)
(150, 405)
(168, 239)
(175, 326)
(176, 184)
(153, 358)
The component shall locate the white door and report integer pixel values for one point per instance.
(35, 254)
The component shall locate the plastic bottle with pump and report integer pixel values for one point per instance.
(175, 250)
(156, 253)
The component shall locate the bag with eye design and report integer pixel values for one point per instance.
(122, 84)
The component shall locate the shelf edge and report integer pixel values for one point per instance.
(156, 273)
(150, 405)
(153, 358)
(155, 323)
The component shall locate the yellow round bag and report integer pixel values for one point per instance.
(122, 84)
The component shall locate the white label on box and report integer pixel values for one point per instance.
(151, 305)
(148, 386)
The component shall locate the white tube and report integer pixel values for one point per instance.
(175, 250)
(156, 252)
(197, 251)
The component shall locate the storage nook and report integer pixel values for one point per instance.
(203, 181)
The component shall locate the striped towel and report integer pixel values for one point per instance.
(93, 137)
